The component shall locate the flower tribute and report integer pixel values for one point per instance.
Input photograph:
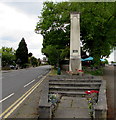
(92, 99)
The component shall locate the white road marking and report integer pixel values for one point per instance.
(6, 97)
(29, 83)
(28, 93)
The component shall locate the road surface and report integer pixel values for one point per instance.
(16, 82)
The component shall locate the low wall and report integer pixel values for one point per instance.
(44, 107)
(101, 106)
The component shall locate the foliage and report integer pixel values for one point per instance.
(25, 65)
(93, 71)
(8, 56)
(39, 61)
(54, 98)
(113, 62)
(105, 62)
(22, 53)
(97, 27)
(92, 97)
(34, 61)
(52, 53)
(0, 50)
(30, 54)
(65, 53)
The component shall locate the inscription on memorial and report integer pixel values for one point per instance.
(75, 51)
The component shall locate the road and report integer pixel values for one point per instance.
(109, 76)
(16, 82)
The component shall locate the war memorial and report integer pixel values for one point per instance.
(73, 95)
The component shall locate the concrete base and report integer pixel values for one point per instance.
(75, 65)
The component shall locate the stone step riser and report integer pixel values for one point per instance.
(74, 82)
(68, 94)
(71, 90)
(91, 81)
(73, 77)
(76, 85)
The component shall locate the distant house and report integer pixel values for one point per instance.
(44, 61)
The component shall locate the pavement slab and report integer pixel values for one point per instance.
(72, 107)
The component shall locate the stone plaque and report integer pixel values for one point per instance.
(75, 51)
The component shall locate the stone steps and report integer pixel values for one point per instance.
(73, 87)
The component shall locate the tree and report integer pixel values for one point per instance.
(97, 26)
(30, 54)
(53, 54)
(29, 57)
(34, 61)
(39, 61)
(8, 56)
(22, 52)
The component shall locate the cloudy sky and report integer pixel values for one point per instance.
(18, 19)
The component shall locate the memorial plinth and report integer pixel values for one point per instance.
(75, 52)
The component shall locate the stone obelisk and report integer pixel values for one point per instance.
(75, 51)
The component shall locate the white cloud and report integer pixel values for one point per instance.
(14, 25)
(13, 20)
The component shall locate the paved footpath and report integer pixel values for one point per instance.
(109, 76)
(72, 107)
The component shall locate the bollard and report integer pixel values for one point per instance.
(59, 71)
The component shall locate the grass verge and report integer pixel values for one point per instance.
(53, 71)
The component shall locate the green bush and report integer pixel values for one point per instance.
(6, 68)
(93, 70)
(26, 65)
(97, 72)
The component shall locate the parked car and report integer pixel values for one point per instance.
(12, 66)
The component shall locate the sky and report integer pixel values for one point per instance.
(17, 20)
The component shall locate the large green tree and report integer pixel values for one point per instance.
(97, 27)
(34, 61)
(8, 56)
(53, 54)
(22, 52)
